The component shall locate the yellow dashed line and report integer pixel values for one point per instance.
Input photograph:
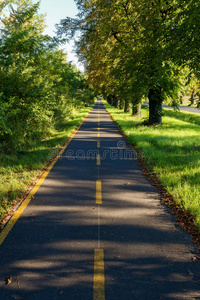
(99, 277)
(98, 160)
(98, 192)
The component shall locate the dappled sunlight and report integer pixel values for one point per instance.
(50, 251)
(38, 275)
(124, 214)
(38, 264)
(57, 268)
(171, 151)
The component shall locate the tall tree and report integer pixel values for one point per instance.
(124, 41)
(37, 87)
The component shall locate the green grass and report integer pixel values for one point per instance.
(171, 150)
(19, 170)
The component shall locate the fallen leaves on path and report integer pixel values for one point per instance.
(184, 219)
(9, 280)
(196, 258)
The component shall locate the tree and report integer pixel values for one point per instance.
(184, 41)
(124, 42)
(37, 87)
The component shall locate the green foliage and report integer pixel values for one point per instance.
(184, 36)
(38, 88)
(3, 117)
(130, 48)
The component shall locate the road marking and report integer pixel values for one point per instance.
(98, 192)
(5, 231)
(98, 160)
(98, 128)
(99, 277)
(98, 134)
(24, 204)
(98, 144)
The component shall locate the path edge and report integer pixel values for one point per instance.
(184, 219)
(20, 206)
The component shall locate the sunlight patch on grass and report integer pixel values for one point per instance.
(171, 150)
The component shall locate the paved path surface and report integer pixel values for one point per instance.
(182, 108)
(96, 229)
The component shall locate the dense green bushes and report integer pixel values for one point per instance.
(38, 88)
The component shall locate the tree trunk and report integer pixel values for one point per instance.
(108, 99)
(198, 102)
(155, 106)
(121, 104)
(192, 98)
(115, 101)
(127, 106)
(136, 109)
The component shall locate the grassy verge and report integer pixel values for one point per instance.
(171, 150)
(19, 170)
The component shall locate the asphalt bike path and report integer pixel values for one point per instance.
(96, 229)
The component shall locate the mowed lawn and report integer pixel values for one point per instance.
(172, 151)
(19, 170)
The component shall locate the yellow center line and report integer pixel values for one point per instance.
(19, 211)
(98, 134)
(98, 192)
(99, 277)
(98, 160)
(99, 128)
(98, 144)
